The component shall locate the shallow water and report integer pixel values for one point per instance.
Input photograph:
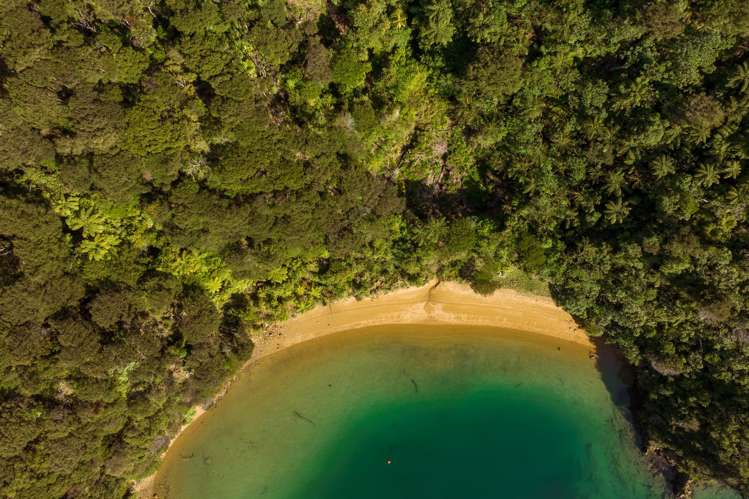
(413, 412)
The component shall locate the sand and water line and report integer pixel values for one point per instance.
(431, 392)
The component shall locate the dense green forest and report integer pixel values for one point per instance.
(176, 175)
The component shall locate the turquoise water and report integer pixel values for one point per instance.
(466, 446)
(412, 413)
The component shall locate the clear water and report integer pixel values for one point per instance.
(413, 412)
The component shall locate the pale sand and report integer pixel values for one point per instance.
(438, 303)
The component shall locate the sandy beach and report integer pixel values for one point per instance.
(439, 303)
(436, 303)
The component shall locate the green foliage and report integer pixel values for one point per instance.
(176, 174)
(350, 69)
(437, 28)
(514, 278)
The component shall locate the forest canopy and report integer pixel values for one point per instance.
(176, 175)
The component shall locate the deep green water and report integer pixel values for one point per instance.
(459, 413)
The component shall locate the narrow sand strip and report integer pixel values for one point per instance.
(435, 303)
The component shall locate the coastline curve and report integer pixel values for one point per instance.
(438, 303)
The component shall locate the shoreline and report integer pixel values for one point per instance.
(436, 303)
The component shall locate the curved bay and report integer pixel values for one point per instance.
(413, 412)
